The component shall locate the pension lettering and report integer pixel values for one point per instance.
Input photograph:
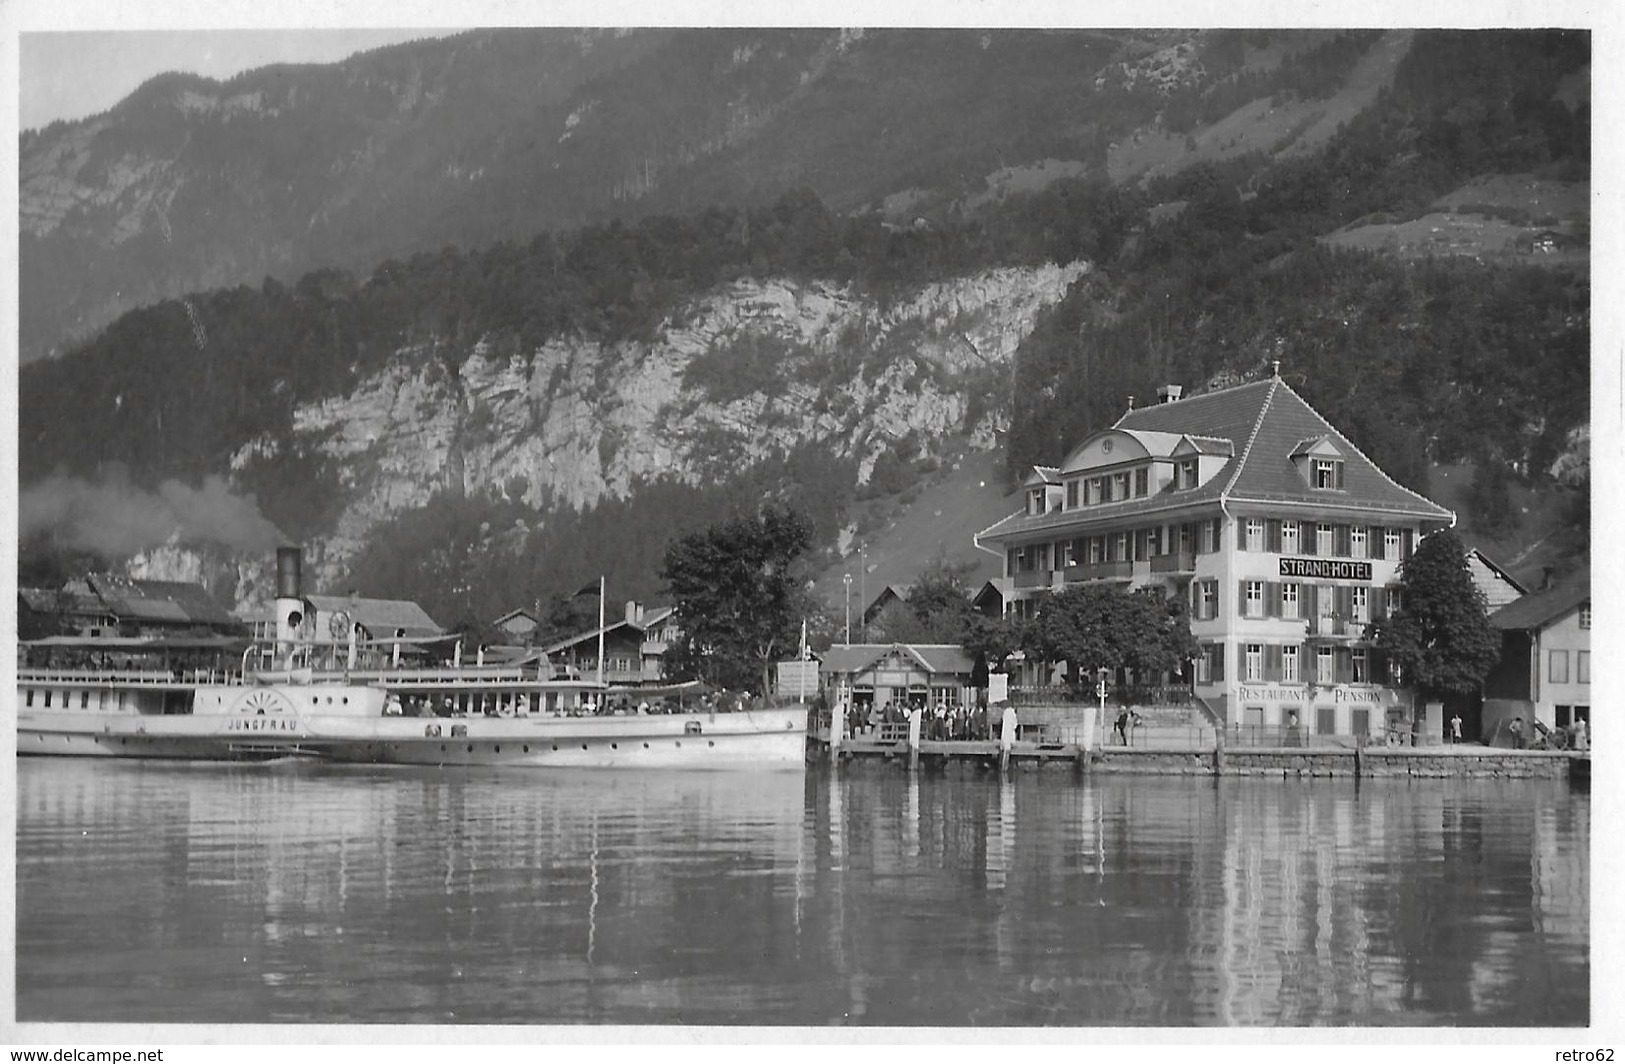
(1325, 569)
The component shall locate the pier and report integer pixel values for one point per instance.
(1463, 761)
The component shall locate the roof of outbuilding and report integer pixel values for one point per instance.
(652, 618)
(162, 601)
(933, 657)
(1543, 607)
(380, 617)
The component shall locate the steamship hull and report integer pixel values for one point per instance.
(768, 739)
(68, 713)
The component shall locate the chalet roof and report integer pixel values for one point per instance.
(885, 597)
(513, 614)
(1498, 569)
(39, 599)
(1264, 423)
(380, 618)
(932, 657)
(652, 618)
(157, 601)
(1543, 607)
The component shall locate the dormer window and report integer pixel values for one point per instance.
(1320, 463)
(1326, 474)
(1035, 501)
(1187, 474)
(1142, 482)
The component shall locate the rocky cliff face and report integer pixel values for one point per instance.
(753, 370)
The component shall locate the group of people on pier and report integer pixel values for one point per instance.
(941, 721)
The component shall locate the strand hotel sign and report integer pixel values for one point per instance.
(1325, 569)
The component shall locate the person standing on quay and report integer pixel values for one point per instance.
(1455, 728)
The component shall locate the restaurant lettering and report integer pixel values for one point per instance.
(1271, 693)
(1325, 569)
(1250, 692)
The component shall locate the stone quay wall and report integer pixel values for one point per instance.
(1372, 763)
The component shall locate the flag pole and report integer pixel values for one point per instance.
(601, 635)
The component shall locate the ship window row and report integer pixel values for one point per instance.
(63, 699)
(1322, 539)
(1297, 663)
(1293, 600)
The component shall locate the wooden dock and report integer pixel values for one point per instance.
(937, 750)
(1217, 759)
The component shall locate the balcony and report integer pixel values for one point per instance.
(1338, 628)
(1183, 561)
(1038, 578)
(1082, 574)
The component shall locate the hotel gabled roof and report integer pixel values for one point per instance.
(1265, 422)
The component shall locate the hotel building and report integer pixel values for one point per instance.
(1283, 537)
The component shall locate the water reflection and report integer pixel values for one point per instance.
(302, 893)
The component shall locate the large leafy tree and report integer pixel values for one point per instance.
(1098, 626)
(1440, 637)
(739, 598)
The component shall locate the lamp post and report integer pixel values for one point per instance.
(847, 580)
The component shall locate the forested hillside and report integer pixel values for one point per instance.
(1202, 274)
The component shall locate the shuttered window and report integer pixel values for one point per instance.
(1289, 664)
(1289, 537)
(1252, 597)
(1289, 601)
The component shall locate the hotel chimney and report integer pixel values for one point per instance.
(1170, 393)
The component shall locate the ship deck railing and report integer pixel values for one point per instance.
(120, 677)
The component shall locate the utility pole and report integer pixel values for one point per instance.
(847, 580)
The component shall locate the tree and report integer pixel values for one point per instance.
(1440, 637)
(1098, 626)
(938, 608)
(738, 598)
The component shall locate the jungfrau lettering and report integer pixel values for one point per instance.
(262, 724)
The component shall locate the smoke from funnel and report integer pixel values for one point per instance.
(114, 517)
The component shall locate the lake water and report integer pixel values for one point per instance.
(303, 893)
